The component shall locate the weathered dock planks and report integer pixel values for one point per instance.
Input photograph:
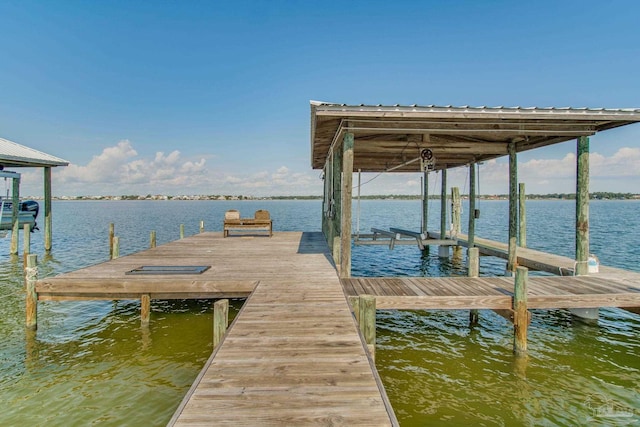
(292, 356)
(591, 291)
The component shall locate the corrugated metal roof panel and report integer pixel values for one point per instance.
(13, 154)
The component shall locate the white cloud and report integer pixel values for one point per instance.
(121, 170)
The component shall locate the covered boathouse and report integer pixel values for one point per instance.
(14, 155)
(424, 139)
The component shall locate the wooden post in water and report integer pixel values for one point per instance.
(347, 197)
(116, 247)
(474, 271)
(456, 214)
(202, 226)
(520, 312)
(152, 239)
(111, 236)
(522, 233)
(14, 217)
(26, 235)
(425, 202)
(443, 251)
(31, 300)
(48, 234)
(582, 206)
(182, 231)
(367, 309)
(220, 320)
(145, 309)
(472, 206)
(513, 208)
(355, 306)
(337, 205)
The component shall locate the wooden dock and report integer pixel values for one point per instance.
(496, 293)
(292, 356)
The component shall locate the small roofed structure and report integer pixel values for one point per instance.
(14, 155)
(416, 138)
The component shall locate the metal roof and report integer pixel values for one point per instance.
(15, 155)
(391, 137)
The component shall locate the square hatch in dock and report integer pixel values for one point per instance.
(170, 269)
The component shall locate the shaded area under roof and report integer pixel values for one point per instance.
(15, 155)
(389, 137)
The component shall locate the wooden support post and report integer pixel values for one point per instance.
(472, 206)
(111, 236)
(182, 231)
(347, 196)
(202, 226)
(425, 203)
(513, 208)
(116, 247)
(336, 187)
(31, 301)
(220, 320)
(145, 309)
(474, 271)
(582, 206)
(48, 233)
(152, 239)
(456, 215)
(26, 235)
(367, 309)
(520, 312)
(15, 223)
(354, 301)
(443, 251)
(522, 232)
(455, 210)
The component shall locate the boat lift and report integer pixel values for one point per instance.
(400, 236)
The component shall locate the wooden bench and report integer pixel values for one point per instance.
(260, 222)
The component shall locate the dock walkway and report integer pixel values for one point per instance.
(293, 356)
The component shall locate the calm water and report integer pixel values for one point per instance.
(91, 363)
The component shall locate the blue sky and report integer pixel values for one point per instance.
(201, 97)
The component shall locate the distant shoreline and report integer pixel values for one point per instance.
(560, 196)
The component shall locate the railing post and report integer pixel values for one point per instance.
(520, 312)
(116, 248)
(367, 308)
(220, 320)
(31, 302)
(474, 271)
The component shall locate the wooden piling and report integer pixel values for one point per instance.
(522, 215)
(367, 309)
(111, 235)
(472, 205)
(182, 231)
(145, 309)
(31, 300)
(48, 222)
(520, 312)
(513, 208)
(354, 301)
(220, 320)
(456, 214)
(15, 228)
(26, 250)
(425, 203)
(202, 226)
(582, 206)
(152, 239)
(474, 271)
(347, 196)
(443, 251)
(116, 248)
